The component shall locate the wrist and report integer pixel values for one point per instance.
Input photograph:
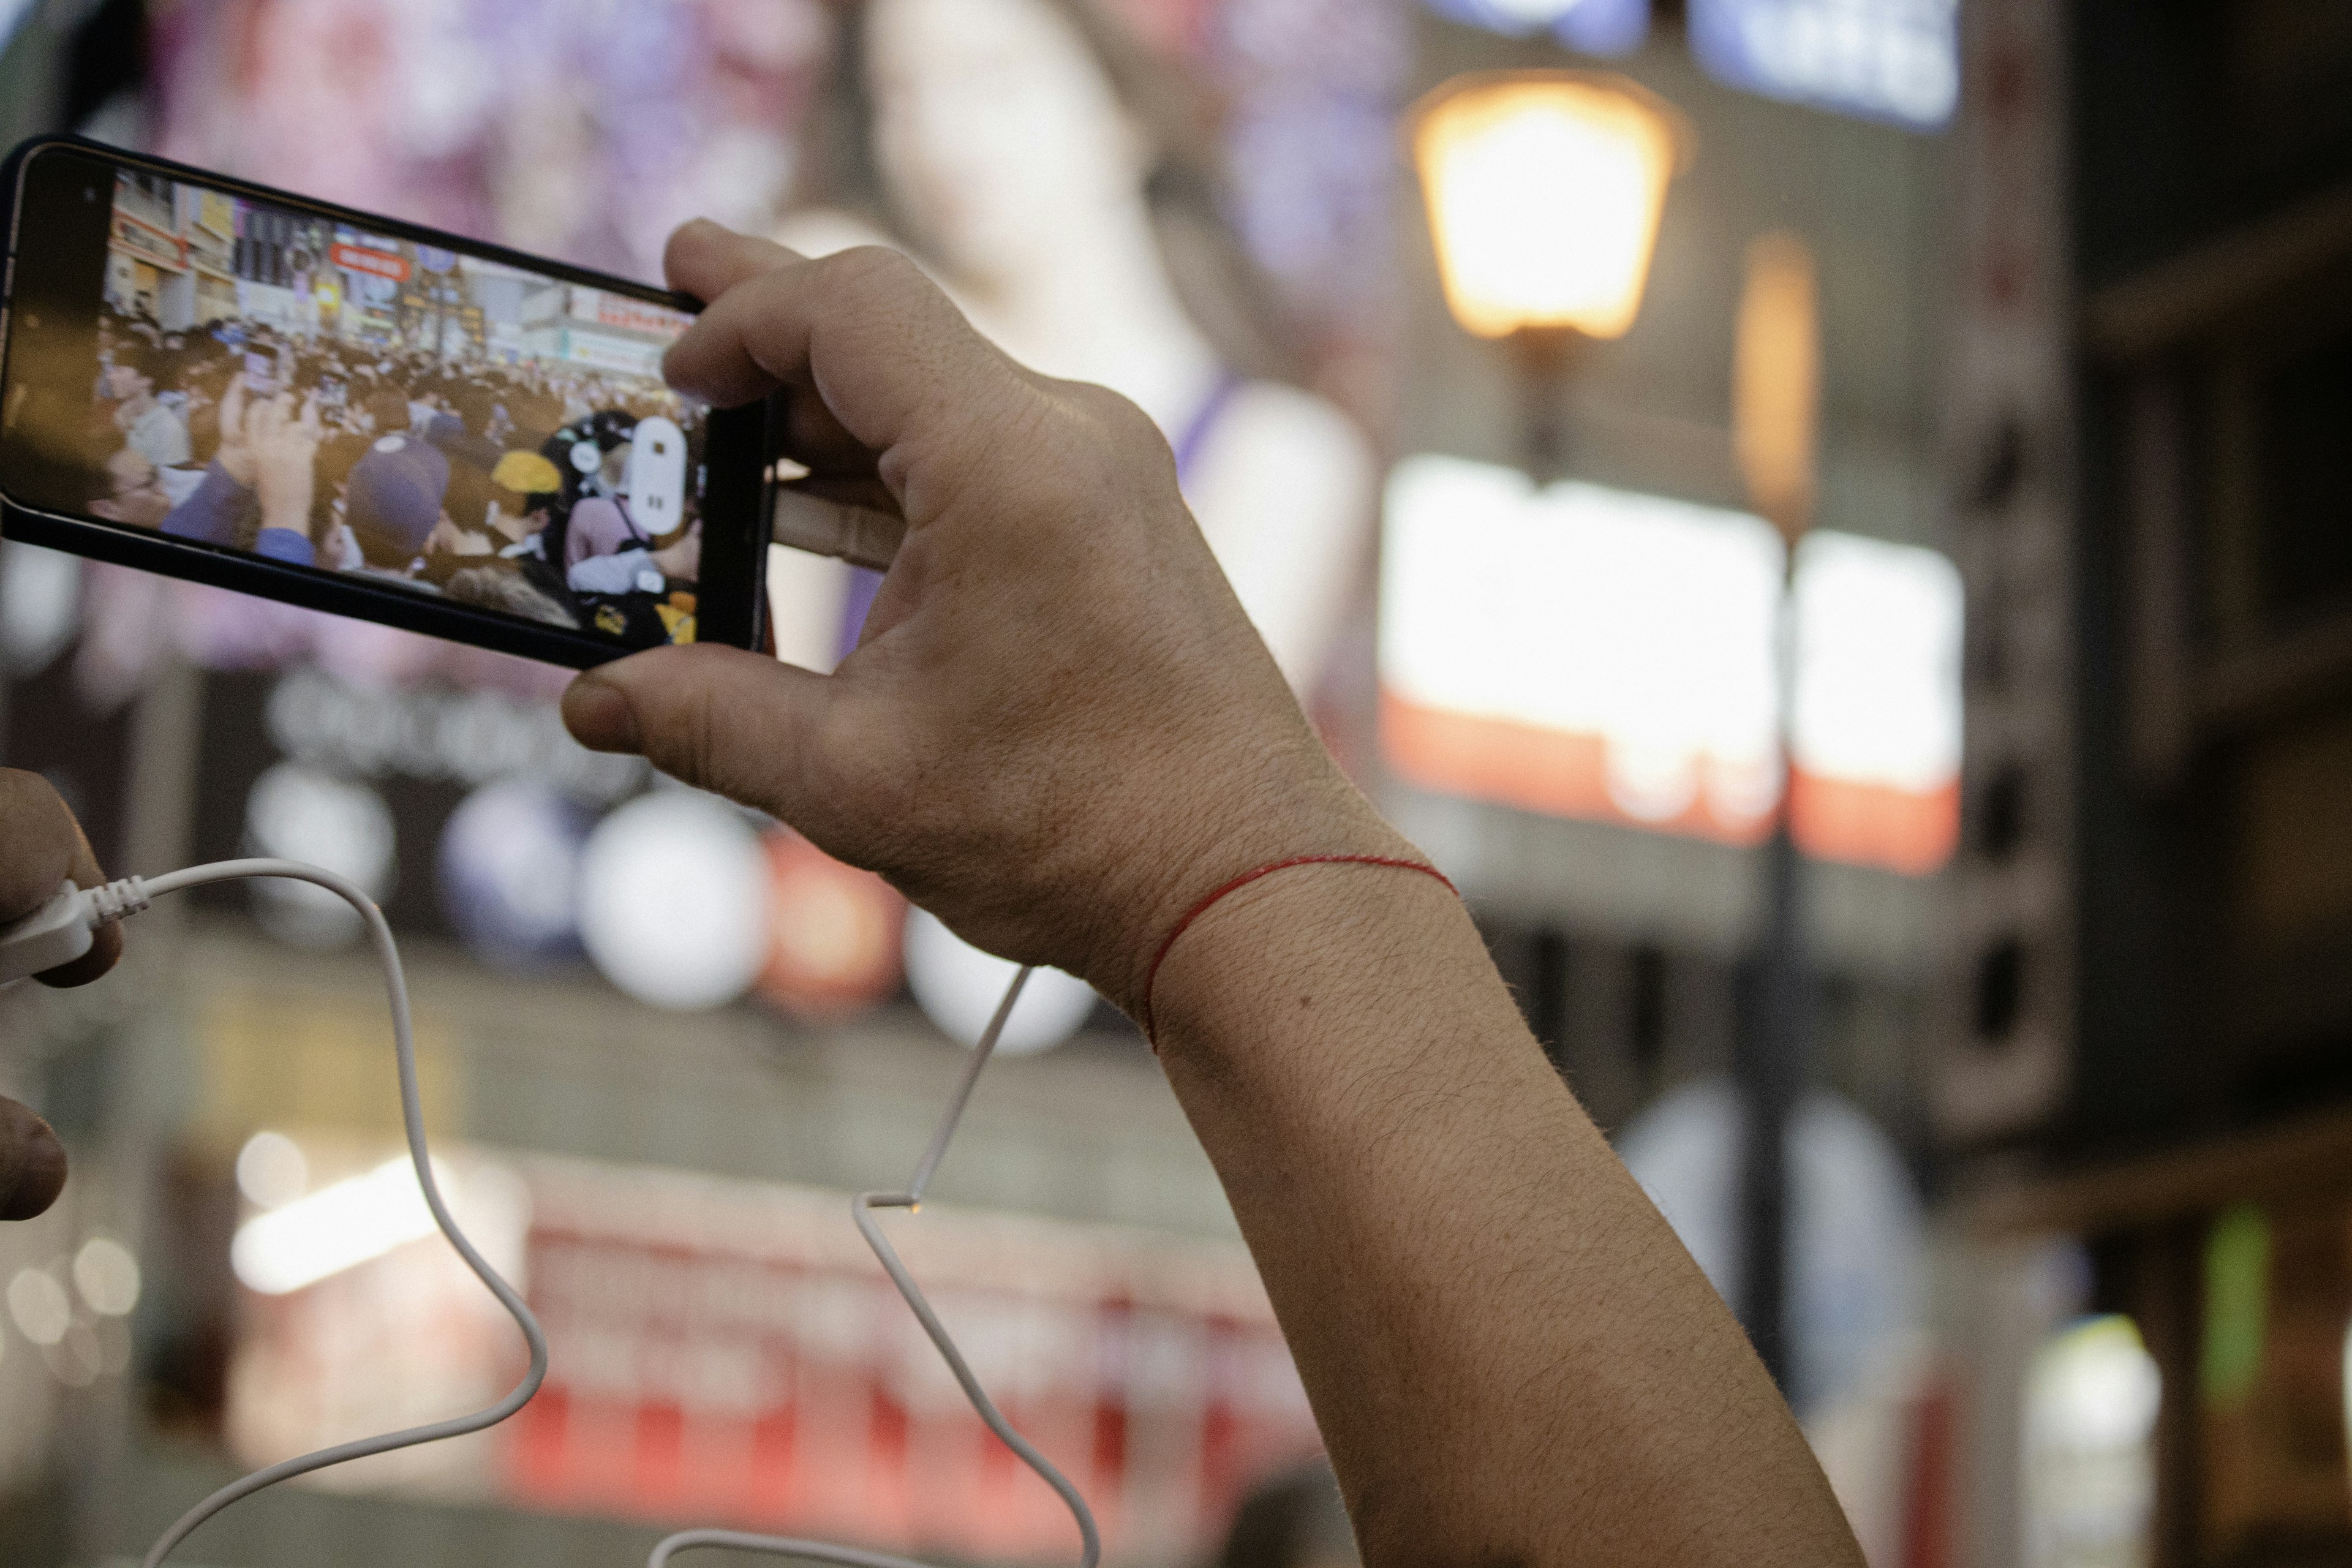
(1163, 877)
(1298, 943)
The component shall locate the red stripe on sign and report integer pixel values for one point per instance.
(375, 263)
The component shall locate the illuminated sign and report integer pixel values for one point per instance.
(1886, 59)
(1587, 652)
(217, 213)
(1875, 724)
(1595, 26)
(726, 1349)
(374, 263)
(149, 243)
(628, 314)
(630, 356)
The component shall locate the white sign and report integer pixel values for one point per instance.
(1590, 652)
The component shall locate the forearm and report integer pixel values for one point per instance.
(1511, 1357)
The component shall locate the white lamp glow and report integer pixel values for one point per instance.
(674, 901)
(334, 1228)
(107, 1276)
(40, 1306)
(958, 987)
(272, 1171)
(1544, 191)
(300, 813)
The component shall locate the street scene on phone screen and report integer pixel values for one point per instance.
(274, 382)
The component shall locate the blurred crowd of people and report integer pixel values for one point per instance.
(507, 486)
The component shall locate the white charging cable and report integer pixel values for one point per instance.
(63, 929)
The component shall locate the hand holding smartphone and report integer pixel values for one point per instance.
(239, 386)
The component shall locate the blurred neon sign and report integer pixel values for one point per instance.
(1884, 60)
(1587, 652)
(720, 1349)
(1594, 27)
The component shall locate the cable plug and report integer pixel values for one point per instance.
(118, 901)
(57, 932)
(63, 929)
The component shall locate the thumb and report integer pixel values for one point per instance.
(726, 719)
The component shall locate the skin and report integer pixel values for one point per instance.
(134, 390)
(41, 846)
(1058, 732)
(282, 444)
(270, 447)
(138, 498)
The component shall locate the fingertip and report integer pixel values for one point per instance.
(600, 715)
(32, 1162)
(105, 951)
(706, 258)
(693, 257)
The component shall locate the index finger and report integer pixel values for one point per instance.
(887, 351)
(704, 259)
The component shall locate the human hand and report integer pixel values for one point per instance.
(41, 846)
(234, 454)
(1058, 728)
(284, 447)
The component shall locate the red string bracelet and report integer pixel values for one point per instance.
(1244, 881)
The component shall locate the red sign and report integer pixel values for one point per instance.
(724, 1352)
(728, 1353)
(637, 316)
(374, 263)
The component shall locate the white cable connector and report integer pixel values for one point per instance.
(63, 929)
(57, 932)
(118, 901)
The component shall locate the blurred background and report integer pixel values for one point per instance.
(1820, 515)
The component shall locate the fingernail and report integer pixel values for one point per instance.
(32, 1162)
(600, 715)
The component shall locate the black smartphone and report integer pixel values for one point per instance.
(217, 381)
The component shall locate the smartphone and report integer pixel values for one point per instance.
(490, 453)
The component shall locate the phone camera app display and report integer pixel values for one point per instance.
(271, 380)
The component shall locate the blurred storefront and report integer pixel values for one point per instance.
(664, 1038)
(2141, 1094)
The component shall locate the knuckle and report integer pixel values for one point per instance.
(870, 270)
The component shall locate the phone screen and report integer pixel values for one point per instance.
(261, 378)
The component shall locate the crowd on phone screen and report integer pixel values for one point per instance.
(498, 484)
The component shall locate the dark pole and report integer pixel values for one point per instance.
(1544, 356)
(1771, 1060)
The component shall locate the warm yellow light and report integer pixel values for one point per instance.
(1544, 191)
(1776, 381)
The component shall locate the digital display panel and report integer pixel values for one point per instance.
(1884, 59)
(1587, 652)
(1594, 27)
